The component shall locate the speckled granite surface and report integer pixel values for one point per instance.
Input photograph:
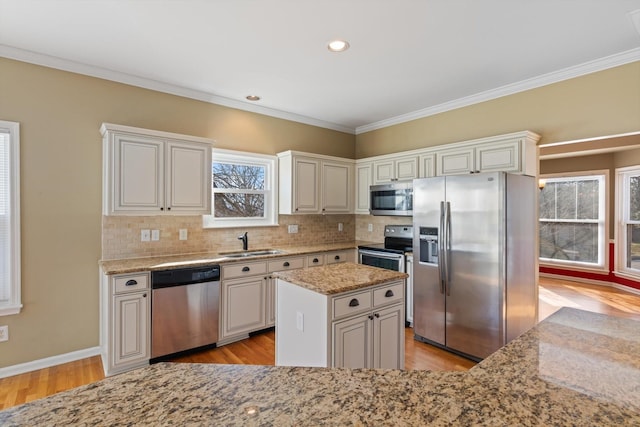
(132, 265)
(574, 369)
(335, 278)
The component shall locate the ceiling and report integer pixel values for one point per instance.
(408, 58)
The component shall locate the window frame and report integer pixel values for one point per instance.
(14, 303)
(622, 220)
(270, 163)
(603, 222)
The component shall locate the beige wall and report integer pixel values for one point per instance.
(598, 104)
(60, 115)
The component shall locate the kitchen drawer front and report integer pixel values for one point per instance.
(130, 282)
(351, 304)
(315, 260)
(336, 257)
(387, 294)
(243, 269)
(283, 264)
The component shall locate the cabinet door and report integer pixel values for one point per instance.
(188, 187)
(409, 294)
(427, 165)
(131, 321)
(306, 185)
(138, 174)
(243, 305)
(337, 182)
(388, 338)
(503, 156)
(406, 168)
(363, 181)
(455, 162)
(352, 342)
(383, 171)
(270, 302)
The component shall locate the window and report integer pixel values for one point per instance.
(572, 220)
(9, 218)
(628, 215)
(244, 190)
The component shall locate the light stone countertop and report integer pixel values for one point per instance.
(336, 278)
(576, 368)
(166, 262)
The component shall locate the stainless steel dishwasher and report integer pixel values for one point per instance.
(184, 309)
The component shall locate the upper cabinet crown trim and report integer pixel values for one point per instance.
(110, 127)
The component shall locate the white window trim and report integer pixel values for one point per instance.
(603, 249)
(620, 242)
(15, 303)
(271, 185)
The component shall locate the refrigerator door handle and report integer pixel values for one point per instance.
(441, 259)
(448, 248)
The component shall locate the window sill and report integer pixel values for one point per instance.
(10, 310)
(574, 267)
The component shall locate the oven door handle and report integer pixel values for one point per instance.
(385, 255)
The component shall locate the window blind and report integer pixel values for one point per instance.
(5, 219)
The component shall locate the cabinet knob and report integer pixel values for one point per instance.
(169, 208)
(370, 317)
(354, 302)
(144, 295)
(337, 257)
(161, 209)
(131, 283)
(286, 264)
(389, 293)
(245, 269)
(377, 314)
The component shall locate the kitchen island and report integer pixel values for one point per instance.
(340, 315)
(574, 368)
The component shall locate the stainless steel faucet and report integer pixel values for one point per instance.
(245, 241)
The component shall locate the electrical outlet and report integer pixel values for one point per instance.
(145, 235)
(183, 234)
(370, 227)
(4, 333)
(339, 226)
(155, 235)
(293, 228)
(299, 321)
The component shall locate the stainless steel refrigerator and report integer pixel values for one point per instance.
(474, 270)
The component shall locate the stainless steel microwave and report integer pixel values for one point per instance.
(395, 198)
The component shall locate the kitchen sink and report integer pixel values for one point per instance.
(245, 254)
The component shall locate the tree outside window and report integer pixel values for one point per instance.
(572, 212)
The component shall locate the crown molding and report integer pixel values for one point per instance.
(130, 79)
(601, 64)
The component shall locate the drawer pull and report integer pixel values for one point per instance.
(245, 269)
(337, 257)
(144, 295)
(286, 264)
(389, 293)
(131, 283)
(354, 302)
(316, 260)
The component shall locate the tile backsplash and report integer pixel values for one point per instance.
(121, 235)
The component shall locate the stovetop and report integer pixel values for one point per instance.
(398, 239)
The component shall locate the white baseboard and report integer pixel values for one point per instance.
(592, 282)
(47, 362)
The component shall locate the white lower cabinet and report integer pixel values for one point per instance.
(243, 306)
(125, 322)
(356, 329)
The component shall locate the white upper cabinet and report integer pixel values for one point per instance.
(363, 181)
(395, 169)
(152, 173)
(313, 184)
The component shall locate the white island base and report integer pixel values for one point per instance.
(362, 327)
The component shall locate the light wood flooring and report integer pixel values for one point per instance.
(260, 349)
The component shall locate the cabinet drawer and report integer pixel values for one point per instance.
(387, 294)
(243, 269)
(350, 304)
(283, 264)
(315, 260)
(336, 257)
(132, 282)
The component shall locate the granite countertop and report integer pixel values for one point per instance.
(574, 368)
(336, 278)
(165, 262)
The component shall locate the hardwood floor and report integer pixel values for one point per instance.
(260, 349)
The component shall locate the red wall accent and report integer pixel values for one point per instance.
(603, 277)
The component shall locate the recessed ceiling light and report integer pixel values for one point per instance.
(253, 97)
(338, 45)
